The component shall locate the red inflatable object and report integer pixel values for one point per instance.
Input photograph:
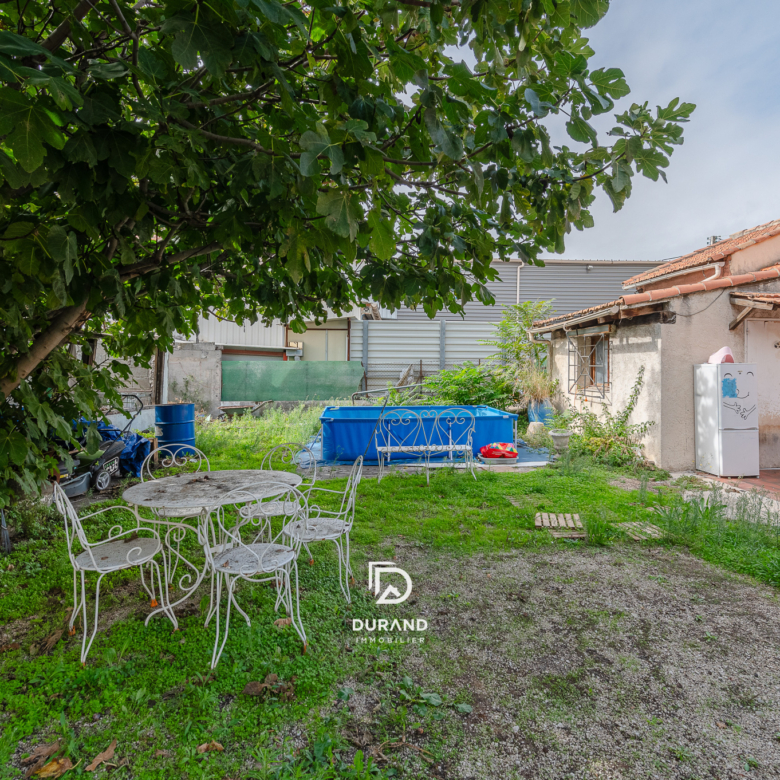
(498, 449)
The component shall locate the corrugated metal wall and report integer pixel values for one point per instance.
(573, 287)
(394, 346)
(504, 291)
(570, 283)
(229, 333)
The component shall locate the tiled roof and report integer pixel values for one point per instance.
(655, 296)
(580, 313)
(710, 254)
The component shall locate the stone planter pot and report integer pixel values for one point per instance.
(560, 439)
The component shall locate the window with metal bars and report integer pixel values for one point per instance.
(589, 365)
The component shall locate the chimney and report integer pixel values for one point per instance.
(712, 240)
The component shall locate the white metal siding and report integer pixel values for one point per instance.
(504, 290)
(463, 341)
(571, 286)
(406, 342)
(228, 333)
(396, 342)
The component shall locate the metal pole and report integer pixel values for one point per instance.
(365, 353)
(442, 344)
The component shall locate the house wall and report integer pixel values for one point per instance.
(631, 347)
(702, 327)
(756, 257)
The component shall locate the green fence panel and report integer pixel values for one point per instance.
(290, 380)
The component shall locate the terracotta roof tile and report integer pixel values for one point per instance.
(580, 313)
(710, 254)
(665, 294)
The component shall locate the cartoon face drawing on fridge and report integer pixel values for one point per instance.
(739, 396)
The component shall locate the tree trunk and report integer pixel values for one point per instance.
(44, 344)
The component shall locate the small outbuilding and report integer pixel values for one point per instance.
(725, 294)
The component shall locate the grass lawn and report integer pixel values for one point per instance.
(540, 659)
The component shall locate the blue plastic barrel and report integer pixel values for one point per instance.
(175, 425)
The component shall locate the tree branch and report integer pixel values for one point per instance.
(57, 38)
(44, 343)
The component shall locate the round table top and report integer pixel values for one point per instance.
(208, 488)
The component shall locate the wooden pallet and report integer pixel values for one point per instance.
(642, 531)
(560, 526)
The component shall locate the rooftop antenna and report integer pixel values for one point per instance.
(712, 240)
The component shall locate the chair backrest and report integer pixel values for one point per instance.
(400, 428)
(291, 456)
(183, 456)
(73, 527)
(248, 504)
(454, 426)
(350, 492)
(346, 510)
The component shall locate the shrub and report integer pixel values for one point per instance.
(610, 438)
(470, 384)
(33, 519)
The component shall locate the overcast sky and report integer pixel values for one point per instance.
(723, 56)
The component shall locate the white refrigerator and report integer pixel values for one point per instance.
(726, 404)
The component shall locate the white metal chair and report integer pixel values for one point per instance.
(136, 546)
(281, 458)
(323, 525)
(257, 562)
(174, 456)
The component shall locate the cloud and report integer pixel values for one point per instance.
(724, 57)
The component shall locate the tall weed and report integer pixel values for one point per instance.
(242, 441)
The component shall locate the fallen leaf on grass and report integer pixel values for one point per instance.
(209, 747)
(282, 622)
(38, 757)
(54, 769)
(49, 643)
(162, 754)
(11, 646)
(273, 686)
(106, 755)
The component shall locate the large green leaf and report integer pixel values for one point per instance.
(341, 211)
(382, 242)
(588, 12)
(446, 140)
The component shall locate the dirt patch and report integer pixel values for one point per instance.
(622, 663)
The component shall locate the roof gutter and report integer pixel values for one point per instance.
(718, 266)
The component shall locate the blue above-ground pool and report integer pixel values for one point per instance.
(346, 430)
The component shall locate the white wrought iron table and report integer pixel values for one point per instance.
(182, 501)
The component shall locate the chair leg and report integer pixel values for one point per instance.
(162, 581)
(236, 605)
(308, 552)
(212, 600)
(217, 653)
(144, 585)
(343, 570)
(85, 646)
(76, 606)
(294, 612)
